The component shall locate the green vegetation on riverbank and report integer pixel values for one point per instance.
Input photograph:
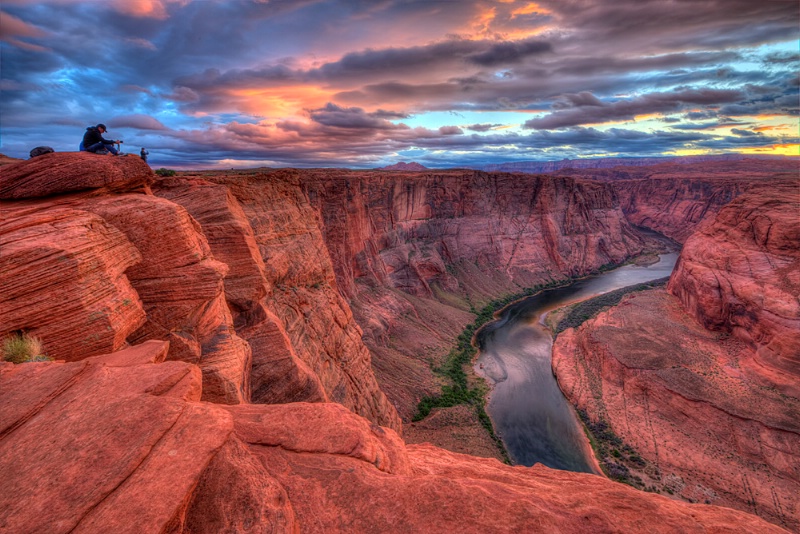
(459, 390)
(577, 314)
(462, 390)
(619, 461)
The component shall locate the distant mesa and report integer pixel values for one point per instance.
(403, 166)
(608, 163)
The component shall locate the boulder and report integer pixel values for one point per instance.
(66, 172)
(41, 150)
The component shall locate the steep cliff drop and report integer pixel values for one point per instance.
(92, 261)
(417, 253)
(703, 384)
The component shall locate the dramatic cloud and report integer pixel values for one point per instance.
(597, 112)
(363, 83)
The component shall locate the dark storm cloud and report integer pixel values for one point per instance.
(700, 115)
(450, 130)
(745, 133)
(333, 115)
(587, 64)
(386, 114)
(399, 61)
(584, 98)
(509, 52)
(141, 122)
(689, 24)
(481, 127)
(628, 109)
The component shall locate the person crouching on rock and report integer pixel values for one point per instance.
(93, 141)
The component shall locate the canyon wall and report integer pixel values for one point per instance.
(241, 286)
(741, 275)
(679, 195)
(702, 383)
(415, 252)
(178, 308)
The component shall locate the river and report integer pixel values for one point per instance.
(531, 415)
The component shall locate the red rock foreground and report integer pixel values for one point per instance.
(704, 384)
(238, 279)
(122, 443)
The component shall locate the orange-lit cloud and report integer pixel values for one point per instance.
(154, 9)
(12, 30)
(769, 127)
(530, 9)
(777, 150)
(283, 101)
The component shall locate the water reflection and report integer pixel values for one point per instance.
(530, 413)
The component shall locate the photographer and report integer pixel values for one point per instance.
(93, 141)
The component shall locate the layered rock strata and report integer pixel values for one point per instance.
(283, 292)
(125, 445)
(244, 289)
(741, 275)
(704, 384)
(416, 252)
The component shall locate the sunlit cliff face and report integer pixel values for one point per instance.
(320, 83)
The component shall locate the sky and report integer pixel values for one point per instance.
(330, 83)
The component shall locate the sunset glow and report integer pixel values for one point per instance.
(365, 84)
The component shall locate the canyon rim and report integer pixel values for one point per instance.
(245, 351)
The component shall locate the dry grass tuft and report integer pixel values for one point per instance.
(19, 348)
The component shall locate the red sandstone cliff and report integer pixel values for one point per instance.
(676, 200)
(414, 252)
(234, 272)
(742, 275)
(121, 443)
(111, 264)
(307, 346)
(717, 415)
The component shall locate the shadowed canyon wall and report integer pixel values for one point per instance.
(241, 286)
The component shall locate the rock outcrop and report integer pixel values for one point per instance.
(284, 294)
(58, 173)
(741, 275)
(403, 166)
(62, 279)
(716, 414)
(244, 289)
(122, 444)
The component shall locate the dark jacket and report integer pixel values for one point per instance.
(93, 136)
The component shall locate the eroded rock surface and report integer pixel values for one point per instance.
(131, 449)
(58, 173)
(62, 279)
(741, 275)
(306, 343)
(688, 402)
(249, 297)
(704, 384)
